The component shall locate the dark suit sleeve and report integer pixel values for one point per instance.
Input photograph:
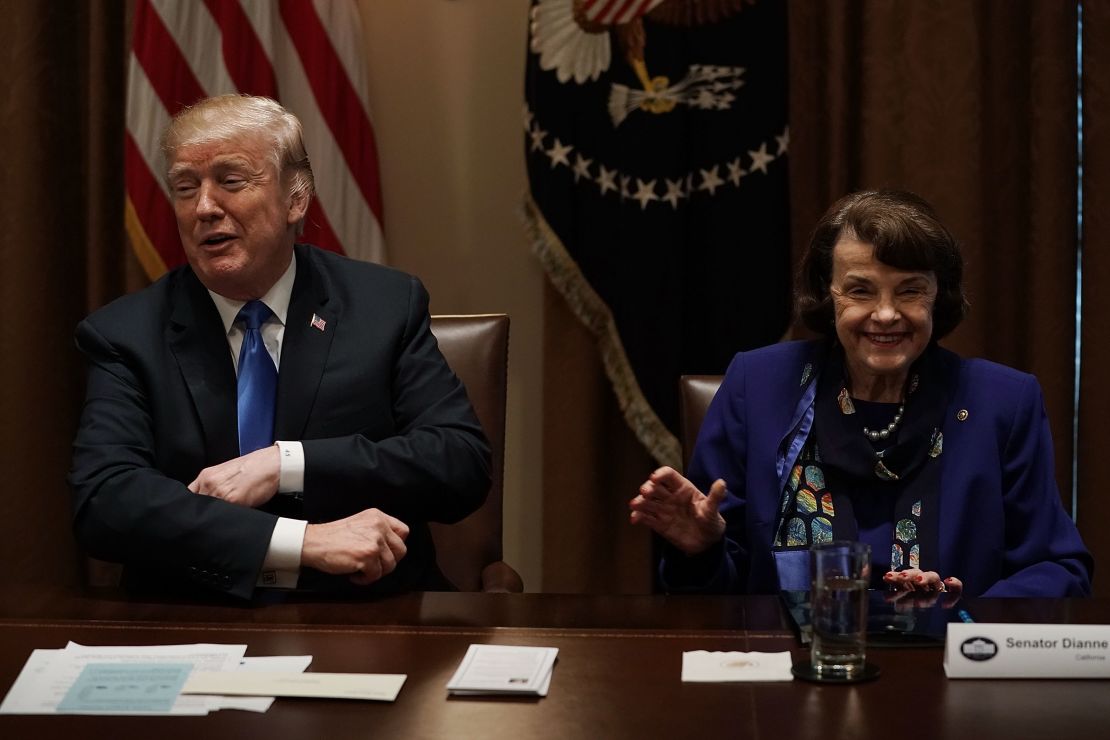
(125, 510)
(436, 464)
(1043, 554)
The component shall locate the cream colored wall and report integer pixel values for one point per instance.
(446, 89)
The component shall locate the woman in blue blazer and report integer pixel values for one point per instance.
(875, 433)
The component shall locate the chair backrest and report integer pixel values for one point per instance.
(694, 394)
(477, 349)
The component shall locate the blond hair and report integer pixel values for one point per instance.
(228, 117)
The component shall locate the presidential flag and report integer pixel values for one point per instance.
(656, 138)
(307, 54)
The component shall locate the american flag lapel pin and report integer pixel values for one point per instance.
(318, 323)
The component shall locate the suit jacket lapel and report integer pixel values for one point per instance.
(198, 342)
(309, 327)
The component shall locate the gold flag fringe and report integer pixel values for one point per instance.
(564, 274)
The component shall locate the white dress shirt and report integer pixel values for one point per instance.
(281, 568)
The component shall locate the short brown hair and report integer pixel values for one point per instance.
(906, 234)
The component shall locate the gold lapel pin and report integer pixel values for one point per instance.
(961, 415)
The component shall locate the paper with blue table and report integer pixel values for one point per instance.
(116, 680)
(125, 688)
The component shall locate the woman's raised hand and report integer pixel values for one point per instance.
(673, 507)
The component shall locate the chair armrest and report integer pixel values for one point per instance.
(499, 578)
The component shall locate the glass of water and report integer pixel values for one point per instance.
(841, 573)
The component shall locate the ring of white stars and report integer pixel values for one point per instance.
(667, 191)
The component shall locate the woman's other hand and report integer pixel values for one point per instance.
(922, 588)
(673, 507)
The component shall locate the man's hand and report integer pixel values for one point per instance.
(367, 545)
(672, 506)
(250, 480)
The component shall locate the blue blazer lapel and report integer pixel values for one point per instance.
(196, 337)
(310, 325)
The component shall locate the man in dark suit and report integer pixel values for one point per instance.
(176, 471)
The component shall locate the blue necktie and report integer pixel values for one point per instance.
(257, 382)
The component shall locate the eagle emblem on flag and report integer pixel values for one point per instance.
(656, 138)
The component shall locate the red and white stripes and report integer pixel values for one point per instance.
(305, 53)
(607, 12)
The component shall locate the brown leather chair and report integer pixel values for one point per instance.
(469, 552)
(694, 394)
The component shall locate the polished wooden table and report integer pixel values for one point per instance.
(618, 673)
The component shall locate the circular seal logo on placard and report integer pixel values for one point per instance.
(979, 648)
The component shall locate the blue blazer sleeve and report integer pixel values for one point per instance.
(720, 452)
(1042, 553)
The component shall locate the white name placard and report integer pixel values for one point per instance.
(981, 650)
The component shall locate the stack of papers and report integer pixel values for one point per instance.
(135, 680)
(504, 670)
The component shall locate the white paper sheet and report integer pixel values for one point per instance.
(504, 669)
(703, 666)
(373, 686)
(296, 663)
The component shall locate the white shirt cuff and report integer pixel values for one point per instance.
(291, 477)
(282, 566)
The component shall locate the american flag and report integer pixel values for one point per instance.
(307, 54)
